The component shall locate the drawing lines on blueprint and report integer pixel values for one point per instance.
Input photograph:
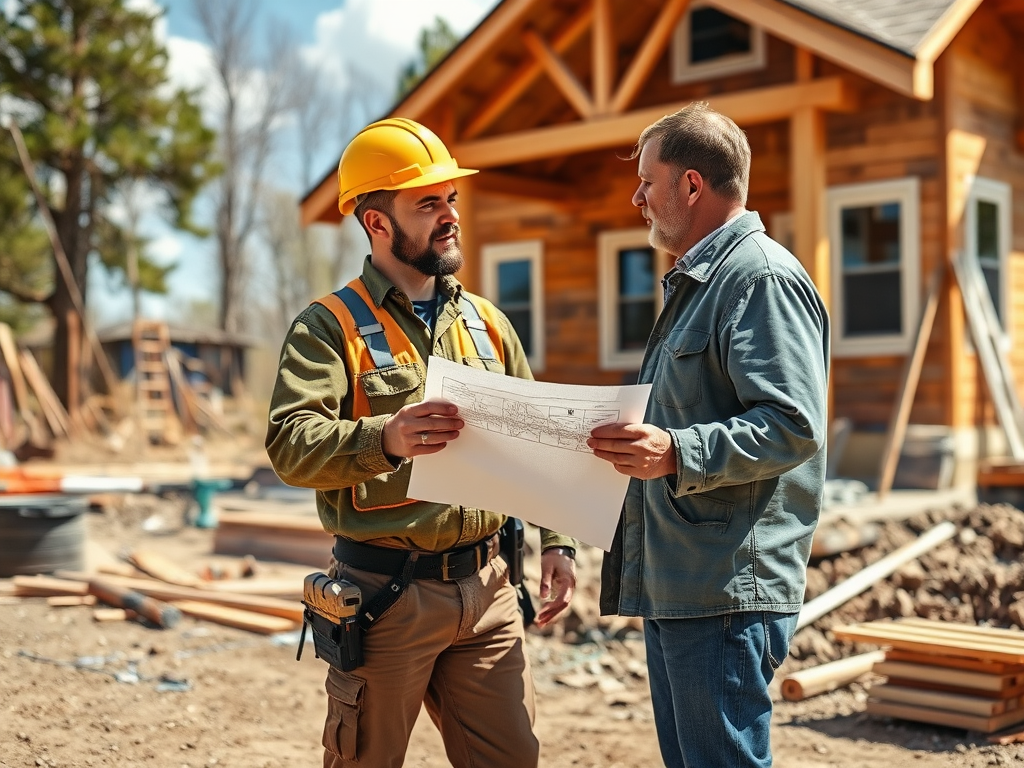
(563, 424)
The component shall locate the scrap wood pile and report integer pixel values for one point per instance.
(153, 589)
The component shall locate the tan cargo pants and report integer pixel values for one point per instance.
(457, 647)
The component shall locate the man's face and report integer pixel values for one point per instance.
(661, 202)
(426, 230)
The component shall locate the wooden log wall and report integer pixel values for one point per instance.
(982, 73)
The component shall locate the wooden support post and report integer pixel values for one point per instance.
(911, 375)
(827, 677)
(603, 55)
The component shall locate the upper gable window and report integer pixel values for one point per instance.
(711, 43)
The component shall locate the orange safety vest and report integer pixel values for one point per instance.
(388, 373)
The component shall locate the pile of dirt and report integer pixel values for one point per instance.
(976, 577)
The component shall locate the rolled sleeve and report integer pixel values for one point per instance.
(690, 477)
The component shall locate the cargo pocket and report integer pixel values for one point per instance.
(344, 703)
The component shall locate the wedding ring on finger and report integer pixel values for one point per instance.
(423, 438)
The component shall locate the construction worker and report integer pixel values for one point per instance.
(347, 418)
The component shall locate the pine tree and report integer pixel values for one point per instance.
(86, 81)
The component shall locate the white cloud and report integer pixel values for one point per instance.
(380, 37)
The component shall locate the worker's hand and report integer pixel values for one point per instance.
(557, 585)
(639, 450)
(421, 428)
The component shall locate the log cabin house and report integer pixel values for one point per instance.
(887, 139)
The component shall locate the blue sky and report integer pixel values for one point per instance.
(380, 36)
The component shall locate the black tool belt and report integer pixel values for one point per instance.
(443, 566)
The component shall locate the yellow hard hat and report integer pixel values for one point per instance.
(393, 154)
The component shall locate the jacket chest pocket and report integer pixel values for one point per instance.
(679, 378)
(484, 364)
(388, 389)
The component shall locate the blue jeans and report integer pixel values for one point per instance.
(709, 686)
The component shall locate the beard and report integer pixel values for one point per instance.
(429, 261)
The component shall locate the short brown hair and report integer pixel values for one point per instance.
(382, 200)
(710, 143)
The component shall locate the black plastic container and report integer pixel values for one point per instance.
(41, 533)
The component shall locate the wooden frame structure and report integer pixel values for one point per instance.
(547, 98)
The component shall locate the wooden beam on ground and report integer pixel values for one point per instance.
(967, 641)
(827, 677)
(942, 717)
(162, 568)
(912, 366)
(560, 74)
(46, 586)
(758, 105)
(853, 586)
(648, 55)
(524, 76)
(235, 617)
(271, 606)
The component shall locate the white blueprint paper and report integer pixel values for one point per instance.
(523, 451)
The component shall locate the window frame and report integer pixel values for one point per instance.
(907, 192)
(685, 72)
(1000, 193)
(609, 244)
(494, 254)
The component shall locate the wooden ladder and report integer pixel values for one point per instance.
(986, 333)
(151, 340)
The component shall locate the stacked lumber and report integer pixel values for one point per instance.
(955, 675)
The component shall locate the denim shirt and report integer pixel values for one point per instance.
(739, 362)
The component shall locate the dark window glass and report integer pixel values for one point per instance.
(872, 299)
(871, 235)
(636, 320)
(714, 34)
(872, 303)
(987, 216)
(514, 297)
(636, 297)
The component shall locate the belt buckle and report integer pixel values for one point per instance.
(444, 566)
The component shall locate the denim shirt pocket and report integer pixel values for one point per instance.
(700, 510)
(678, 381)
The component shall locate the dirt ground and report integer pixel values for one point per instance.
(74, 692)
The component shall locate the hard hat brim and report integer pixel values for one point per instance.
(348, 202)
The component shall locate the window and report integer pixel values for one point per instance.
(987, 233)
(630, 295)
(873, 233)
(711, 43)
(512, 280)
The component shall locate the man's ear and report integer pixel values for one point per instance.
(376, 223)
(692, 185)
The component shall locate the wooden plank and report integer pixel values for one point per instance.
(648, 55)
(163, 569)
(235, 617)
(603, 59)
(951, 702)
(917, 639)
(933, 686)
(941, 717)
(67, 601)
(927, 673)
(897, 430)
(827, 677)
(44, 586)
(44, 393)
(560, 74)
(977, 305)
(757, 105)
(268, 605)
(522, 78)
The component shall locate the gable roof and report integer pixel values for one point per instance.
(902, 25)
(892, 42)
